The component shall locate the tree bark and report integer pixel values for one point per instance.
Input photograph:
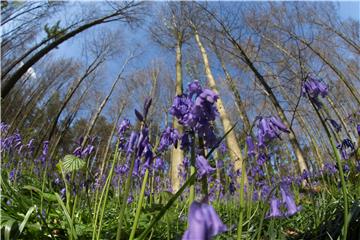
(230, 82)
(232, 143)
(177, 155)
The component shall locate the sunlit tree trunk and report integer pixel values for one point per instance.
(177, 154)
(232, 143)
(231, 84)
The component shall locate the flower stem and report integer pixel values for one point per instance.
(341, 172)
(139, 205)
(125, 196)
(192, 170)
(189, 182)
(104, 194)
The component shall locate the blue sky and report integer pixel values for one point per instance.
(349, 9)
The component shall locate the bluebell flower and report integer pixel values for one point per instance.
(203, 167)
(169, 136)
(289, 203)
(268, 129)
(203, 223)
(250, 146)
(334, 124)
(194, 88)
(314, 87)
(274, 211)
(346, 147)
(123, 126)
(159, 164)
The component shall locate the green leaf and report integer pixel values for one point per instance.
(72, 163)
(26, 218)
(67, 216)
(8, 226)
(47, 196)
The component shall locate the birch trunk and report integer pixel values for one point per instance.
(177, 154)
(232, 143)
(230, 82)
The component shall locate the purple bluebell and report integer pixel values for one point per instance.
(131, 144)
(203, 167)
(261, 159)
(289, 203)
(346, 147)
(181, 108)
(159, 164)
(77, 152)
(194, 88)
(63, 193)
(203, 222)
(12, 175)
(142, 141)
(334, 124)
(197, 114)
(232, 187)
(329, 168)
(136, 167)
(274, 209)
(139, 116)
(185, 142)
(222, 148)
(130, 199)
(88, 150)
(268, 129)
(169, 136)
(314, 87)
(250, 146)
(123, 126)
(278, 124)
(358, 129)
(147, 105)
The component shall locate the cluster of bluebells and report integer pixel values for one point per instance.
(314, 87)
(20, 154)
(86, 151)
(268, 129)
(196, 110)
(14, 142)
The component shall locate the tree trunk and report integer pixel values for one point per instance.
(232, 143)
(239, 103)
(177, 155)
